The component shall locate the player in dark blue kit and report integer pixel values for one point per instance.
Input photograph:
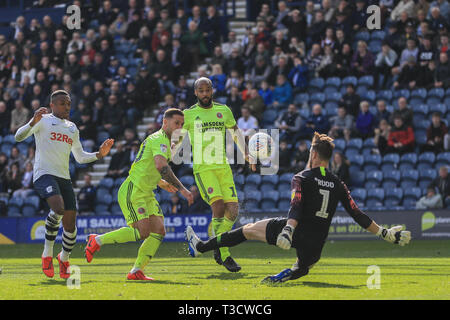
(316, 193)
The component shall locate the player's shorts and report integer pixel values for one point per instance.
(136, 204)
(216, 185)
(48, 185)
(308, 250)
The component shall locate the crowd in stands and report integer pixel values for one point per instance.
(288, 72)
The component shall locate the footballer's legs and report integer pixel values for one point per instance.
(218, 213)
(153, 231)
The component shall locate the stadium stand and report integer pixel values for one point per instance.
(37, 49)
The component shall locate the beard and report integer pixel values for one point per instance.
(205, 104)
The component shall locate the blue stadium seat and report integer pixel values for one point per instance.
(393, 197)
(165, 195)
(6, 148)
(269, 183)
(366, 81)
(447, 102)
(356, 161)
(440, 107)
(425, 177)
(340, 144)
(269, 202)
(318, 83)
(375, 46)
(443, 159)
(357, 179)
(331, 108)
(284, 205)
(269, 117)
(361, 90)
(100, 192)
(391, 175)
(420, 136)
(437, 93)
(28, 210)
(372, 162)
(187, 180)
(427, 157)
(253, 179)
(301, 98)
(105, 199)
(330, 89)
(433, 100)
(370, 96)
(349, 80)
(413, 193)
(420, 123)
(102, 136)
(390, 161)
(118, 182)
(304, 112)
(423, 110)
(378, 34)
(368, 146)
(102, 210)
(286, 177)
(359, 195)
(376, 194)
(416, 102)
(286, 195)
(239, 181)
(385, 95)
(409, 178)
(401, 93)
(362, 35)
(373, 179)
(252, 199)
(9, 138)
(334, 96)
(106, 183)
(317, 97)
(115, 209)
(355, 144)
(333, 81)
(419, 93)
(284, 188)
(33, 201)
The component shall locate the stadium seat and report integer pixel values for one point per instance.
(433, 100)
(378, 34)
(370, 96)
(101, 191)
(376, 194)
(427, 157)
(416, 102)
(329, 90)
(366, 81)
(239, 181)
(331, 108)
(436, 93)
(385, 95)
(372, 162)
(269, 117)
(106, 183)
(33, 201)
(420, 136)
(118, 182)
(447, 102)
(269, 183)
(425, 177)
(286, 177)
(442, 159)
(419, 93)
(390, 161)
(304, 113)
(362, 35)
(105, 199)
(115, 209)
(373, 179)
(102, 210)
(333, 81)
(284, 205)
(165, 195)
(6, 148)
(317, 83)
(409, 178)
(360, 196)
(333, 97)
(269, 202)
(28, 210)
(356, 161)
(102, 136)
(354, 144)
(14, 211)
(375, 46)
(393, 197)
(187, 180)
(357, 179)
(368, 146)
(284, 188)
(253, 180)
(401, 93)
(408, 160)
(252, 199)
(361, 90)
(317, 97)
(421, 110)
(392, 176)
(349, 80)
(340, 144)
(301, 98)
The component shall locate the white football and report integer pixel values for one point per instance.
(261, 146)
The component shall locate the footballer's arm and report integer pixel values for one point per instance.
(82, 156)
(167, 174)
(392, 235)
(29, 128)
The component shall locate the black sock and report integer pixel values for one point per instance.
(226, 239)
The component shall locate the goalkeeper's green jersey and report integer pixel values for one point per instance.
(207, 131)
(143, 171)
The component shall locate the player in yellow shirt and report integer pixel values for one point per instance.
(206, 123)
(136, 198)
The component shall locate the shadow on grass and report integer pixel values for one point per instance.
(163, 282)
(314, 285)
(227, 276)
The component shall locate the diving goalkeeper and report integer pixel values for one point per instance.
(315, 196)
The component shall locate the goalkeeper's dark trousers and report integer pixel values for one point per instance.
(226, 239)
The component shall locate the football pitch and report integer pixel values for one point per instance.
(418, 271)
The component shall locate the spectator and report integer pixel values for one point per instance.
(247, 123)
(199, 206)
(383, 65)
(119, 27)
(401, 138)
(350, 100)
(86, 197)
(16, 157)
(232, 43)
(365, 121)
(382, 133)
(435, 134)
(404, 111)
(282, 93)
(266, 93)
(194, 43)
(382, 112)
(259, 72)
(316, 122)
(442, 76)
(284, 162)
(19, 116)
(409, 76)
(301, 157)
(289, 124)
(219, 80)
(363, 61)
(27, 183)
(255, 104)
(113, 117)
(431, 200)
(13, 178)
(298, 75)
(340, 168)
(177, 205)
(235, 62)
(296, 24)
(120, 162)
(234, 102)
(147, 87)
(341, 125)
(442, 183)
(5, 119)
(3, 172)
(314, 59)
(343, 60)
(88, 131)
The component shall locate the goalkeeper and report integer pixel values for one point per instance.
(315, 196)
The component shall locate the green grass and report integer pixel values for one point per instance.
(418, 271)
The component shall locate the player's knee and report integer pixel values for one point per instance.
(143, 232)
(59, 210)
(249, 231)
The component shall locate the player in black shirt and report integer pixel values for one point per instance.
(316, 193)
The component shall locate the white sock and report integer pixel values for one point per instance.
(51, 229)
(134, 270)
(98, 240)
(68, 242)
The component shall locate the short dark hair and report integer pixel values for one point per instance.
(323, 145)
(171, 112)
(58, 93)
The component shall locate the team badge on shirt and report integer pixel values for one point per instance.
(163, 148)
(219, 115)
(141, 210)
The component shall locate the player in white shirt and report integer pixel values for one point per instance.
(56, 137)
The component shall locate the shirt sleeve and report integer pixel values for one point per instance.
(230, 122)
(160, 147)
(79, 154)
(350, 206)
(296, 209)
(27, 130)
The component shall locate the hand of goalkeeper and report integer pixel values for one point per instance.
(395, 235)
(284, 239)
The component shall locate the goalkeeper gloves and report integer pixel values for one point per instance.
(284, 239)
(395, 235)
